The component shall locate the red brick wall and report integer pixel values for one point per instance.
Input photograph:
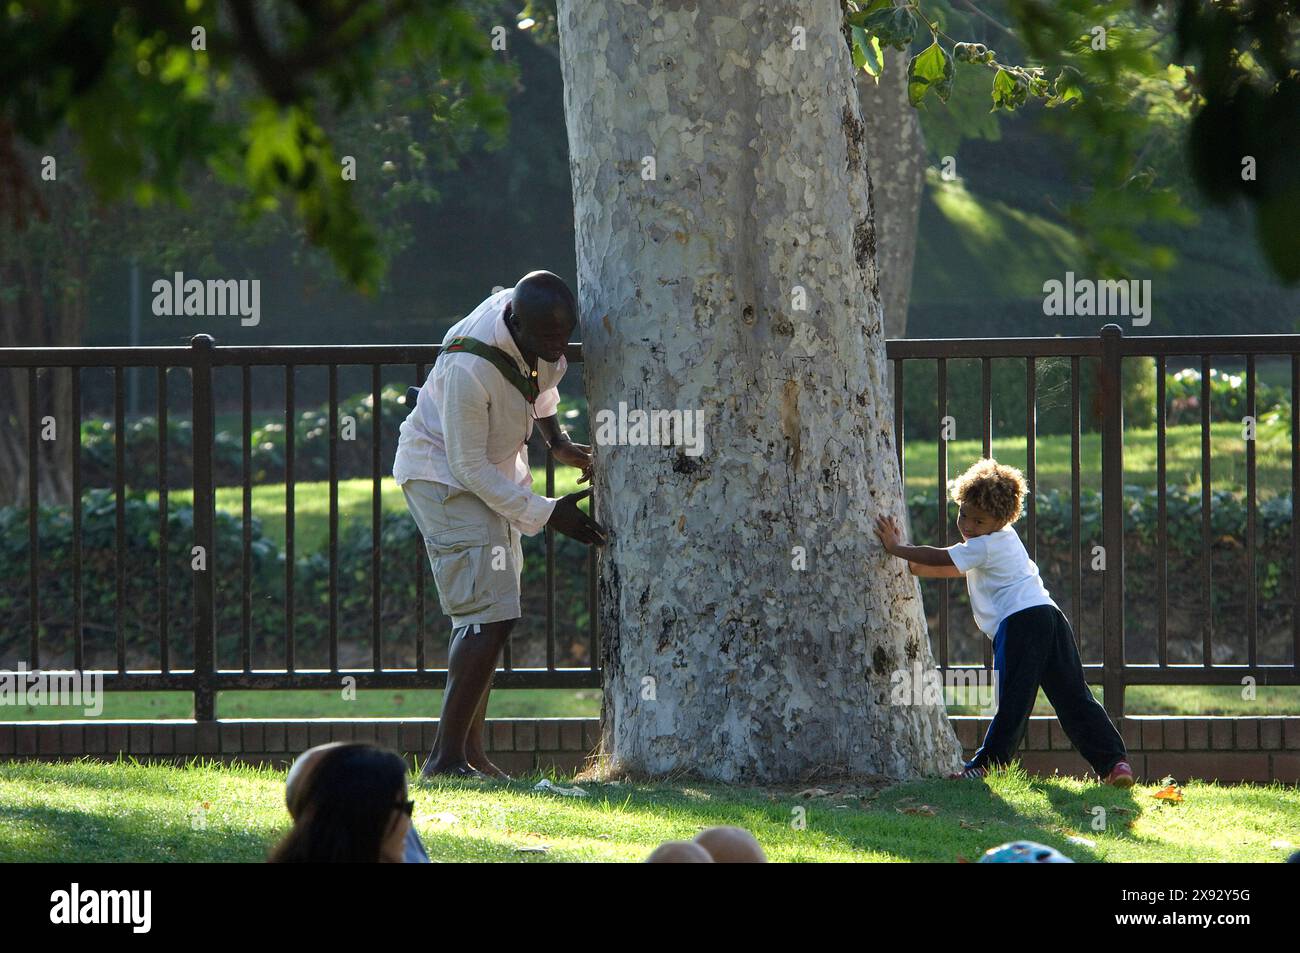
(1210, 748)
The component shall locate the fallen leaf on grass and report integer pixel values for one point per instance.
(444, 818)
(924, 810)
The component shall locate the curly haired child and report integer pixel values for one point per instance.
(1033, 644)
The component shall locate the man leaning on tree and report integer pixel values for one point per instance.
(462, 464)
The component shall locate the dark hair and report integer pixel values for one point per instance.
(541, 297)
(996, 488)
(345, 807)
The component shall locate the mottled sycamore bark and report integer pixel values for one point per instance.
(722, 658)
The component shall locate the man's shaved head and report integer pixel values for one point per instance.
(542, 298)
(544, 313)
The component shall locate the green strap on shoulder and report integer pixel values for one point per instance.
(509, 370)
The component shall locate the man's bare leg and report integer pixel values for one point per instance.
(470, 664)
(474, 751)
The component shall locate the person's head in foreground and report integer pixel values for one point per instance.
(988, 497)
(716, 845)
(349, 805)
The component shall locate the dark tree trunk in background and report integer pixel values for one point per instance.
(42, 305)
(896, 154)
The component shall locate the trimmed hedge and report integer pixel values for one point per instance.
(1052, 387)
(402, 560)
(267, 455)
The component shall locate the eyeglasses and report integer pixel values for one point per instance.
(406, 807)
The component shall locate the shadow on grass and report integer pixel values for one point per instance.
(1114, 807)
(934, 821)
(72, 836)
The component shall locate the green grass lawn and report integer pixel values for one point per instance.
(1182, 458)
(369, 703)
(84, 811)
(312, 504)
(585, 703)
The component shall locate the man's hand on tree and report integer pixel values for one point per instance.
(566, 518)
(574, 455)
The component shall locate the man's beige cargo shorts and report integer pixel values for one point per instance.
(477, 556)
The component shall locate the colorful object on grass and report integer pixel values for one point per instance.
(1024, 852)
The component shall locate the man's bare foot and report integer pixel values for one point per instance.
(481, 763)
(458, 770)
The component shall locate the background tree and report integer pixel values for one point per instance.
(119, 140)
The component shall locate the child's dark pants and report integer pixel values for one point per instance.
(1034, 647)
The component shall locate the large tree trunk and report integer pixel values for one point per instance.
(896, 152)
(721, 658)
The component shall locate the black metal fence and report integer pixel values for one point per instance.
(1109, 350)
(205, 678)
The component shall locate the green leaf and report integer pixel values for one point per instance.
(929, 69)
(1009, 91)
(892, 26)
(865, 10)
(867, 54)
(1066, 88)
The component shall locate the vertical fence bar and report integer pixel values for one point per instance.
(898, 427)
(376, 521)
(941, 369)
(593, 628)
(550, 567)
(290, 447)
(1031, 454)
(1112, 517)
(986, 426)
(1162, 522)
(164, 583)
(78, 597)
(986, 405)
(1295, 499)
(1252, 618)
(246, 561)
(204, 582)
(593, 605)
(33, 535)
(422, 560)
(119, 500)
(1207, 606)
(1076, 543)
(334, 517)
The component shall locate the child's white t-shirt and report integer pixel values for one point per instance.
(1000, 577)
